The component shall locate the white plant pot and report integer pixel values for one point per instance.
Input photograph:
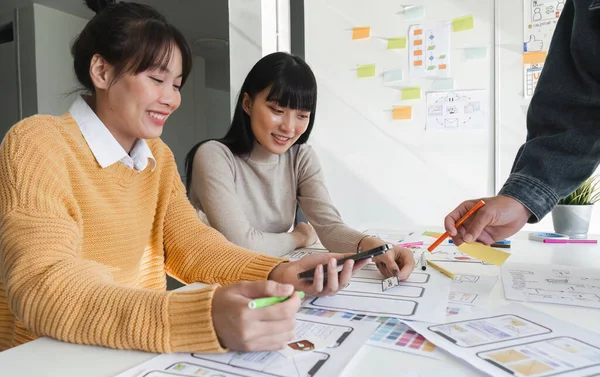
(572, 220)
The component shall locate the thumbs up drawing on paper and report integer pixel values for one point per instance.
(533, 44)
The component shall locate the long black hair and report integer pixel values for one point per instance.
(131, 37)
(292, 84)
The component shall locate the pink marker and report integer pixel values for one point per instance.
(569, 241)
(410, 244)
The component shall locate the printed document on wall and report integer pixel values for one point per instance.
(429, 50)
(539, 22)
(457, 110)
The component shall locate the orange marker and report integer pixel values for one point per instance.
(458, 223)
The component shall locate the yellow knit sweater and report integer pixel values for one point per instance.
(84, 250)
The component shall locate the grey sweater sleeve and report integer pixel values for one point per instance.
(213, 184)
(316, 204)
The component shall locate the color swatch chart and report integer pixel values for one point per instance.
(391, 334)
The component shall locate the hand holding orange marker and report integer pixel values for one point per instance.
(458, 223)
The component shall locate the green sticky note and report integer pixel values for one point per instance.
(394, 43)
(366, 70)
(411, 93)
(463, 23)
(430, 48)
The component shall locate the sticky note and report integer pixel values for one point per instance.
(432, 234)
(361, 32)
(463, 23)
(484, 253)
(418, 52)
(534, 57)
(402, 113)
(418, 42)
(473, 53)
(418, 63)
(411, 93)
(393, 75)
(394, 43)
(418, 32)
(443, 84)
(414, 12)
(366, 70)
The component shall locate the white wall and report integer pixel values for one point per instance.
(218, 119)
(384, 171)
(54, 33)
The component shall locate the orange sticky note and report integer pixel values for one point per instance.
(418, 42)
(418, 32)
(418, 63)
(418, 52)
(534, 57)
(361, 32)
(402, 113)
(442, 66)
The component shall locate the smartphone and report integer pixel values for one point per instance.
(310, 274)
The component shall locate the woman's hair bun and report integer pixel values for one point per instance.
(98, 5)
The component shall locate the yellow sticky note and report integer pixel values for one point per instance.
(411, 93)
(463, 23)
(394, 43)
(484, 253)
(366, 70)
(361, 32)
(402, 113)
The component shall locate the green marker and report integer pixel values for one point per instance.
(268, 301)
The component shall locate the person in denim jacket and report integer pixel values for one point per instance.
(563, 134)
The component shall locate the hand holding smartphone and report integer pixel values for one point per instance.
(379, 250)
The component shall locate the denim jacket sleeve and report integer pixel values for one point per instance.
(563, 121)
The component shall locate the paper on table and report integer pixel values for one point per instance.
(484, 253)
(301, 253)
(345, 339)
(423, 296)
(392, 333)
(552, 284)
(518, 341)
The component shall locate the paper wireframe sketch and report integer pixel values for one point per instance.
(552, 284)
(422, 297)
(518, 341)
(457, 110)
(392, 333)
(429, 50)
(343, 338)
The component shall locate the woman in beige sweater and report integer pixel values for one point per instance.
(249, 182)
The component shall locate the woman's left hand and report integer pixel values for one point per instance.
(398, 261)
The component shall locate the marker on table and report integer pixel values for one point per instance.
(268, 301)
(437, 242)
(423, 261)
(569, 241)
(442, 270)
(411, 244)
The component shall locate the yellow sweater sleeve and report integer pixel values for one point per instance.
(53, 291)
(196, 252)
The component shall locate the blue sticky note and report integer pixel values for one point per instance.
(414, 12)
(393, 75)
(443, 84)
(472, 53)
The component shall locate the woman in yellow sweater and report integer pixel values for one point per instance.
(93, 214)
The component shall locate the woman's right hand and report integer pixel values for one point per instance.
(240, 328)
(304, 234)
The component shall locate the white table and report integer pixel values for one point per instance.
(48, 357)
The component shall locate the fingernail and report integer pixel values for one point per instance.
(395, 271)
(285, 289)
(468, 238)
(452, 233)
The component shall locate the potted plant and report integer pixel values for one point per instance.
(573, 213)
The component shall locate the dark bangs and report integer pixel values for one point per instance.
(295, 88)
(150, 47)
